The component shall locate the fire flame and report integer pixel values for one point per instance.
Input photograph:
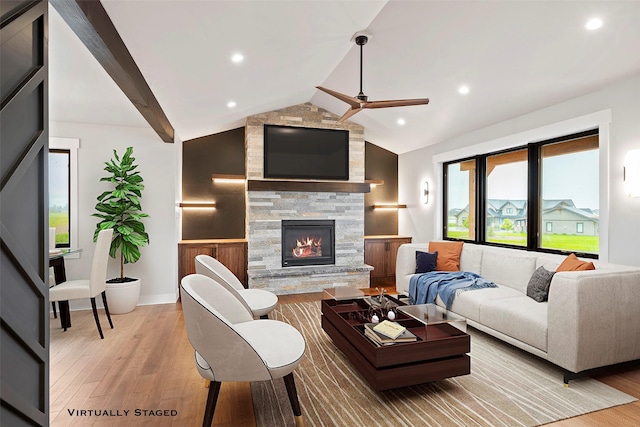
(308, 247)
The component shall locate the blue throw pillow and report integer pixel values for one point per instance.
(426, 261)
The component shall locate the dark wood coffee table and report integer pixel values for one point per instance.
(440, 351)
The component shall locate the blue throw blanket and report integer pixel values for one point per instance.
(425, 287)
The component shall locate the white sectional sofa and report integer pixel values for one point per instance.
(592, 318)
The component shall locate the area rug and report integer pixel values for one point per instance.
(506, 387)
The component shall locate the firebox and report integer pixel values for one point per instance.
(308, 242)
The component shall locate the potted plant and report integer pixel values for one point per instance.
(120, 209)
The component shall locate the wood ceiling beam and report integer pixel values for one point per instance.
(91, 23)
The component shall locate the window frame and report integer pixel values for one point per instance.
(72, 145)
(534, 175)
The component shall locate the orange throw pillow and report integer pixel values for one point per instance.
(448, 255)
(572, 263)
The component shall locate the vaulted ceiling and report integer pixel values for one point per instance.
(514, 56)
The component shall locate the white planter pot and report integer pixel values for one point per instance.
(123, 297)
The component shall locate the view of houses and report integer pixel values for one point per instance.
(558, 217)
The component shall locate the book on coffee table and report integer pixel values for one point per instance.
(389, 329)
(372, 334)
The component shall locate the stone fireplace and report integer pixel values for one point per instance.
(269, 207)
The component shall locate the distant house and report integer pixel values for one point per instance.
(558, 216)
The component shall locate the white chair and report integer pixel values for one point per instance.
(87, 288)
(231, 346)
(258, 301)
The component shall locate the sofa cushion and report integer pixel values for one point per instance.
(448, 255)
(538, 287)
(468, 303)
(521, 318)
(425, 261)
(471, 258)
(572, 263)
(509, 270)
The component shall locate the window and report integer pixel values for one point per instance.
(542, 196)
(59, 195)
(569, 181)
(506, 203)
(460, 182)
(63, 190)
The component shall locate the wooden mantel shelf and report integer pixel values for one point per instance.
(309, 186)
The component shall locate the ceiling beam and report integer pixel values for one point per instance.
(91, 23)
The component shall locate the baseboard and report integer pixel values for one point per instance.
(85, 304)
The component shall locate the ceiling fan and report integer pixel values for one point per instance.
(361, 101)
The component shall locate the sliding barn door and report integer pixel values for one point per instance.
(24, 259)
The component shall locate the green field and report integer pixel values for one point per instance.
(60, 220)
(575, 243)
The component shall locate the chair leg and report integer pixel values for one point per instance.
(95, 316)
(293, 398)
(212, 399)
(64, 315)
(55, 315)
(106, 307)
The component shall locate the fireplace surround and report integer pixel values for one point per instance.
(308, 242)
(269, 202)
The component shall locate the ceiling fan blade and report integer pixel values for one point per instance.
(354, 102)
(350, 112)
(395, 103)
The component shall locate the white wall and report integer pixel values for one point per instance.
(158, 265)
(620, 100)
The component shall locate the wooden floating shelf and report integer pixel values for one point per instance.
(309, 186)
(389, 206)
(374, 182)
(210, 205)
(227, 177)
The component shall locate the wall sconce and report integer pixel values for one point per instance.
(424, 192)
(224, 178)
(631, 173)
(388, 206)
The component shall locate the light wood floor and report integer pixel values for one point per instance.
(146, 363)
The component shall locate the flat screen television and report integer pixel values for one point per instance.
(306, 153)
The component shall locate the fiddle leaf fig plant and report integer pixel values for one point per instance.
(120, 209)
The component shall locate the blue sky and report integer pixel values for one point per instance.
(58, 179)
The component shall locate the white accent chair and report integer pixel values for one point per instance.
(86, 288)
(231, 346)
(258, 301)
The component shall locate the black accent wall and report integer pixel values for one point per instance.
(224, 153)
(221, 153)
(380, 164)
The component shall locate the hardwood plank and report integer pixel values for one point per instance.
(147, 362)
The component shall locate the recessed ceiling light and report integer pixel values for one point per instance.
(464, 90)
(237, 57)
(231, 104)
(401, 122)
(593, 24)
